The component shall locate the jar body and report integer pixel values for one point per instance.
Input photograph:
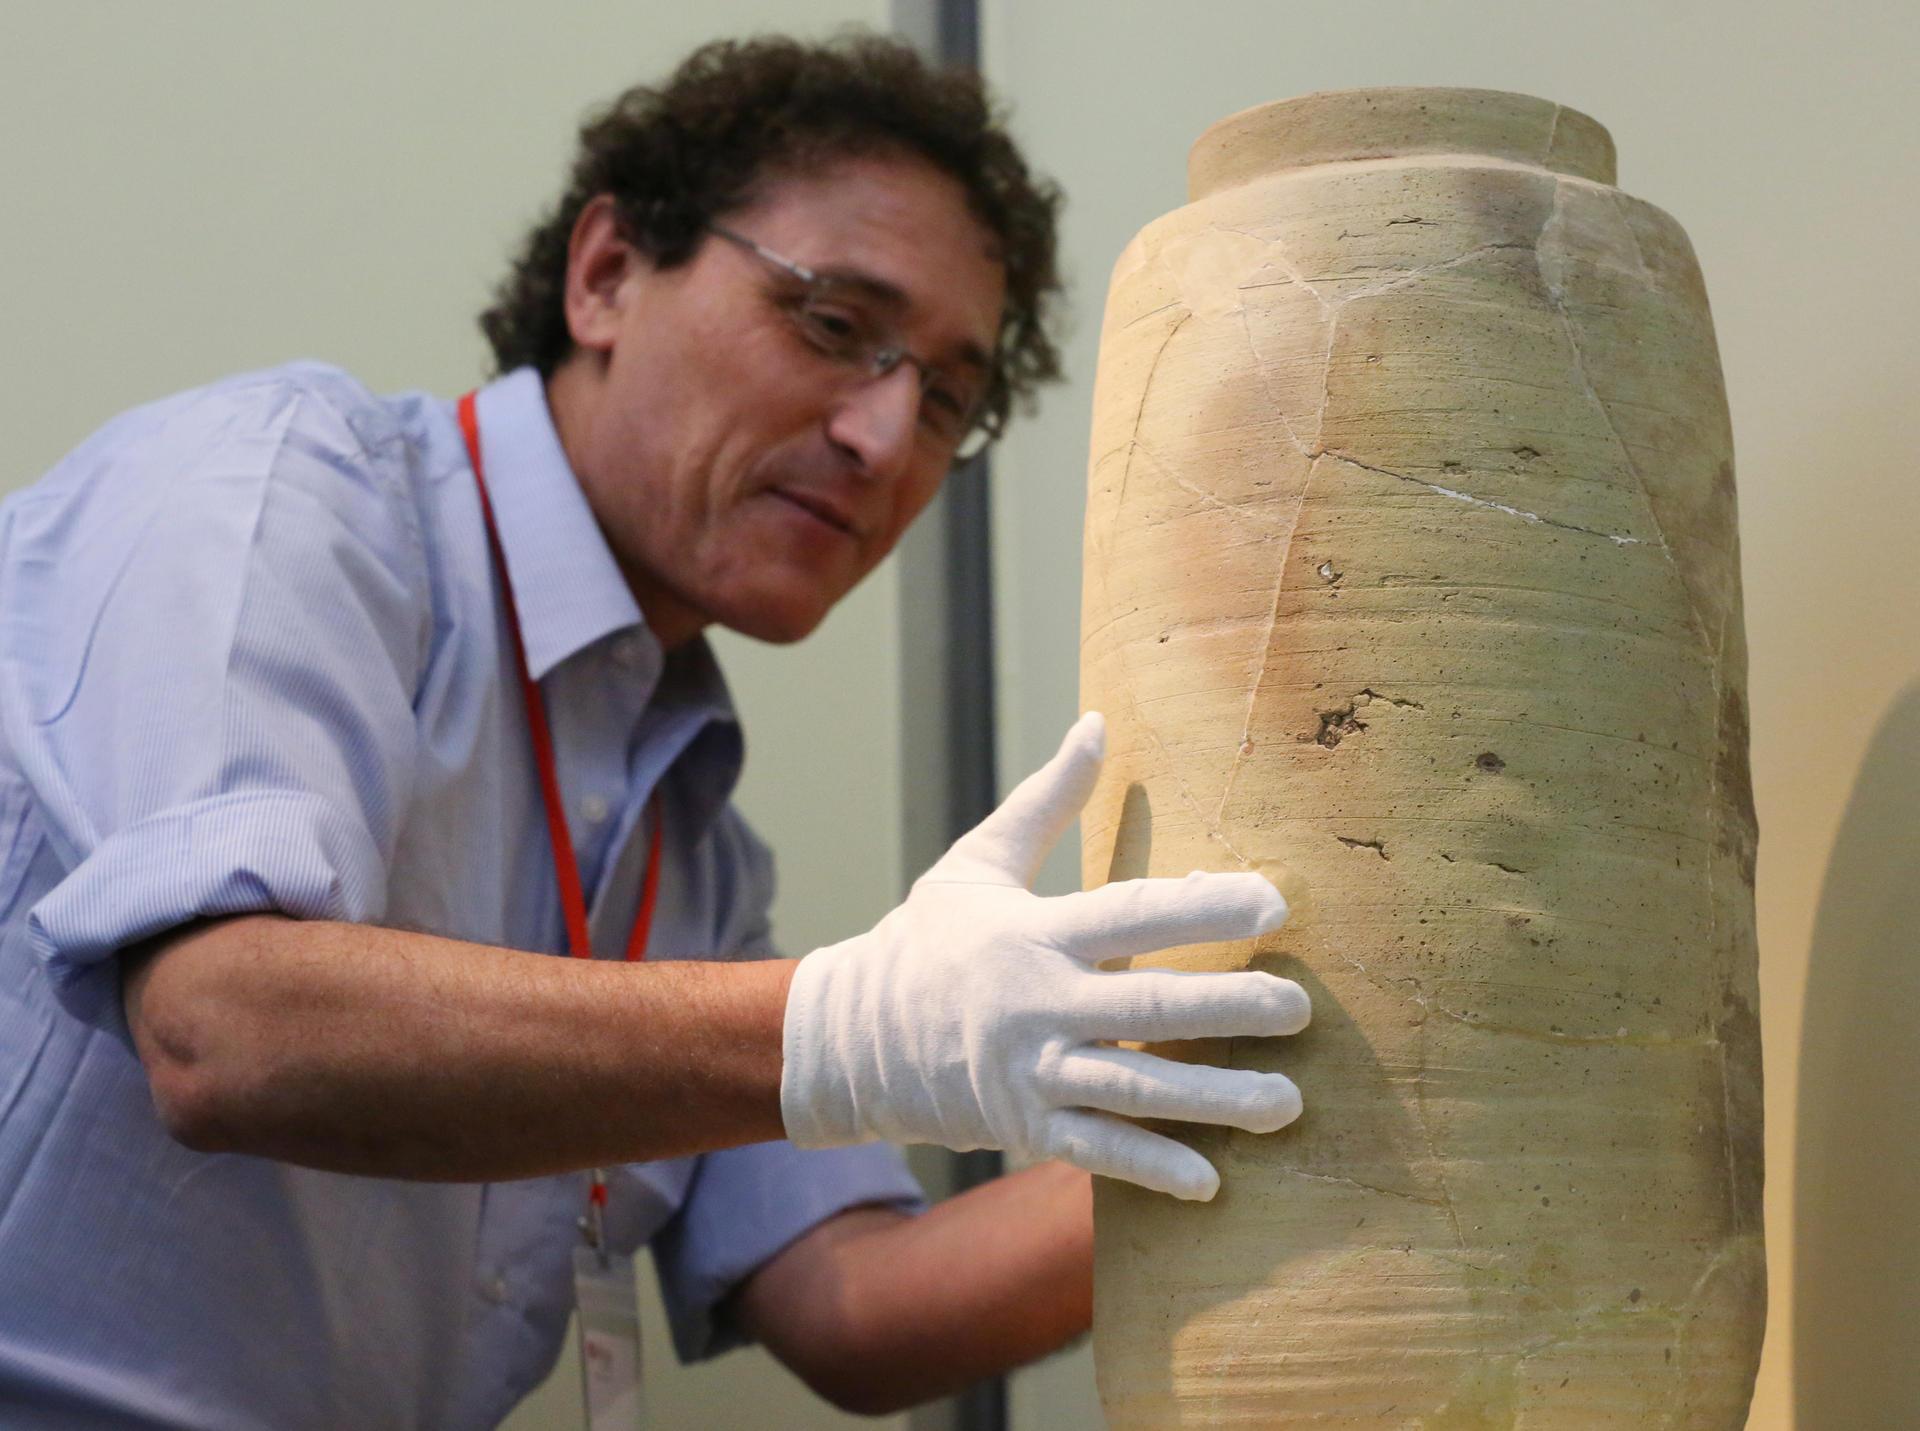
(1412, 577)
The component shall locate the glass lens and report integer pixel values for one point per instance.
(840, 330)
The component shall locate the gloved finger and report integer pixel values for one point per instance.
(1114, 1149)
(1152, 1005)
(1140, 916)
(1140, 1085)
(1010, 845)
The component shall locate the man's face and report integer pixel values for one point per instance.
(741, 474)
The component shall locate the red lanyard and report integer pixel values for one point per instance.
(572, 898)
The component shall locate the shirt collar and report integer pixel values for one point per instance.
(693, 685)
(567, 586)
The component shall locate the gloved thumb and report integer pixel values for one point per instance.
(1009, 846)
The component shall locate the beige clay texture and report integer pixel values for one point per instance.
(1412, 578)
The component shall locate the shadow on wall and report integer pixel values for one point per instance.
(1856, 1332)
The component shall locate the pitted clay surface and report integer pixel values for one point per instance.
(1413, 579)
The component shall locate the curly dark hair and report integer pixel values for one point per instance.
(678, 156)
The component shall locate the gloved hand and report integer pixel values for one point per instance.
(972, 1015)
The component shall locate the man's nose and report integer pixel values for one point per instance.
(876, 421)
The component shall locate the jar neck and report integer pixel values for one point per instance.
(1341, 125)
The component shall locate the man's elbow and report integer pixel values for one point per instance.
(194, 1112)
(866, 1404)
(811, 1306)
(857, 1362)
(855, 1384)
(178, 1030)
(190, 1097)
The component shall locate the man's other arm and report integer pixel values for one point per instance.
(876, 1310)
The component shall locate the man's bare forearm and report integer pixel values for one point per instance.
(377, 1051)
(877, 1311)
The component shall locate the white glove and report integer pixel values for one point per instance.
(973, 1015)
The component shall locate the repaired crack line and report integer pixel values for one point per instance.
(1617, 538)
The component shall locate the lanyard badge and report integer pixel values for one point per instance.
(609, 1321)
(603, 1289)
(608, 1318)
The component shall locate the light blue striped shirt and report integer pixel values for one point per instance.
(252, 658)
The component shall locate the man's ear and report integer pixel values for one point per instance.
(598, 261)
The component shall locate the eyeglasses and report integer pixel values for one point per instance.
(833, 317)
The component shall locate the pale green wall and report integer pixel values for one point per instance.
(1783, 135)
(195, 188)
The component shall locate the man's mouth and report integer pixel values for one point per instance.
(820, 508)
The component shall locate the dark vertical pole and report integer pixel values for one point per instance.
(959, 32)
(975, 786)
(947, 661)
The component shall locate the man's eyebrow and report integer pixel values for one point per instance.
(873, 286)
(891, 295)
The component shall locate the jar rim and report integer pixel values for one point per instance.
(1334, 126)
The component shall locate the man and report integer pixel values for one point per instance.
(329, 719)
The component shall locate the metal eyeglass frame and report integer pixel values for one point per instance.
(876, 359)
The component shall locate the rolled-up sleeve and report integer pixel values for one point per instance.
(213, 620)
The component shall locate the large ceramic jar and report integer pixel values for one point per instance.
(1412, 577)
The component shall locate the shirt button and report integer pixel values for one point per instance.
(494, 1289)
(593, 809)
